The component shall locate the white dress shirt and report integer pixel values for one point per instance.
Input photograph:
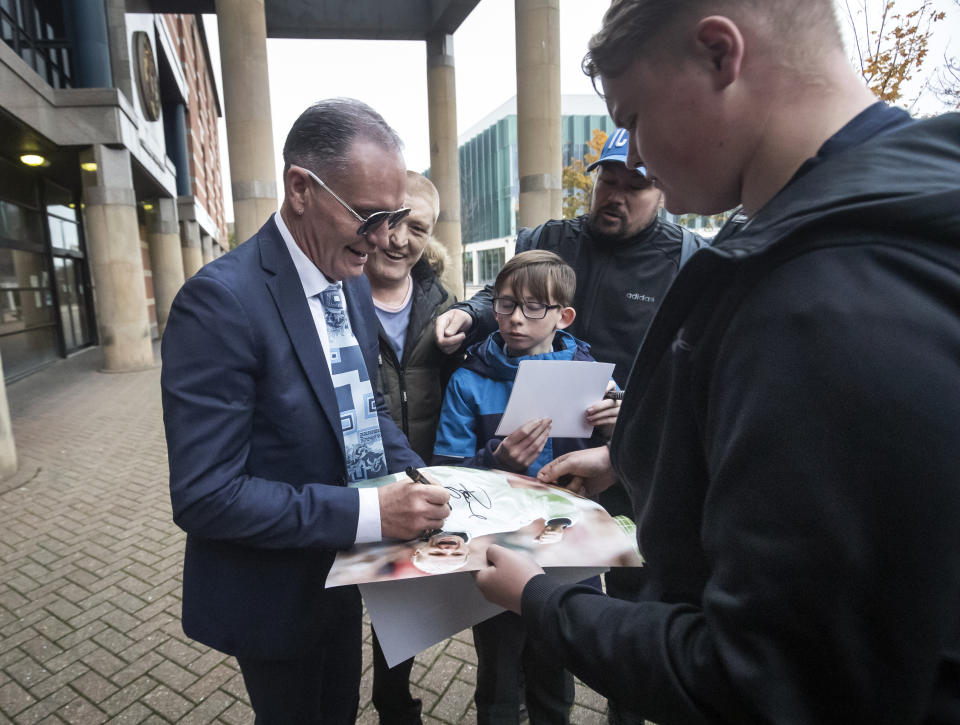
(314, 282)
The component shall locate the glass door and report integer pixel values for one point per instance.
(73, 304)
(69, 268)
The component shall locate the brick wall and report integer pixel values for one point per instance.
(203, 143)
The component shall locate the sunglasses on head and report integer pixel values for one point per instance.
(370, 223)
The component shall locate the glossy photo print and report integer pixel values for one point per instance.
(556, 527)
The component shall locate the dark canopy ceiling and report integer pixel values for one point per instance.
(351, 19)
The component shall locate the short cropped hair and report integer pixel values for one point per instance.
(633, 28)
(420, 185)
(544, 275)
(320, 139)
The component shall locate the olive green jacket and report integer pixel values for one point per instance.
(414, 386)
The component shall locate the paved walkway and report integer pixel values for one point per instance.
(90, 566)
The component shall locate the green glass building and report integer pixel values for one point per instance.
(489, 179)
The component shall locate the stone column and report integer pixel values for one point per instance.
(189, 238)
(444, 154)
(116, 264)
(121, 67)
(246, 109)
(178, 149)
(8, 449)
(206, 245)
(538, 110)
(166, 260)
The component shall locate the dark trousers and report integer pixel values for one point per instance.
(391, 690)
(320, 688)
(622, 583)
(509, 664)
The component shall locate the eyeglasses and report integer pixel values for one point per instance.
(372, 222)
(531, 310)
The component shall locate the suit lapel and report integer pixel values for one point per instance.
(287, 291)
(354, 292)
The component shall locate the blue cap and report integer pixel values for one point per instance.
(615, 149)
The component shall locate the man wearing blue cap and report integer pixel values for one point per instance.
(625, 257)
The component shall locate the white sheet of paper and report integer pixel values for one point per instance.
(561, 390)
(411, 615)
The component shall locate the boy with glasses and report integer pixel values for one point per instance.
(532, 298)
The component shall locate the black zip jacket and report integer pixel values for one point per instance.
(799, 500)
(619, 285)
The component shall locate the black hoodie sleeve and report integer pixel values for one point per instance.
(828, 520)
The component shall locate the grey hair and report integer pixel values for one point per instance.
(634, 28)
(321, 137)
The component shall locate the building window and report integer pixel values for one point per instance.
(36, 32)
(490, 261)
(63, 224)
(28, 324)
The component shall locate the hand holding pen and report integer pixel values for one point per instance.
(417, 477)
(408, 511)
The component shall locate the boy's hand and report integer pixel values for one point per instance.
(502, 582)
(451, 329)
(604, 414)
(519, 449)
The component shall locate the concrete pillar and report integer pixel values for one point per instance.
(8, 449)
(246, 110)
(206, 246)
(120, 62)
(538, 110)
(116, 264)
(189, 236)
(444, 154)
(190, 247)
(166, 259)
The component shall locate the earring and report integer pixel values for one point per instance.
(300, 212)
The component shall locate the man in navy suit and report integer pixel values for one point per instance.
(270, 413)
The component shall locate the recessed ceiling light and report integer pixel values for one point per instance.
(89, 166)
(32, 160)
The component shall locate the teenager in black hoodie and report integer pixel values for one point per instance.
(797, 501)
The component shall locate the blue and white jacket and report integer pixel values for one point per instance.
(477, 396)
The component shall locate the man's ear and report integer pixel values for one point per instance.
(567, 316)
(720, 44)
(296, 186)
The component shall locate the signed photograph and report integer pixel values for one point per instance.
(556, 527)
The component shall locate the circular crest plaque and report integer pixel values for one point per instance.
(147, 82)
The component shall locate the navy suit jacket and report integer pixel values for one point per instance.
(257, 470)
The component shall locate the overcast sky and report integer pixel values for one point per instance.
(391, 75)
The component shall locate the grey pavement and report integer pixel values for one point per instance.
(90, 573)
